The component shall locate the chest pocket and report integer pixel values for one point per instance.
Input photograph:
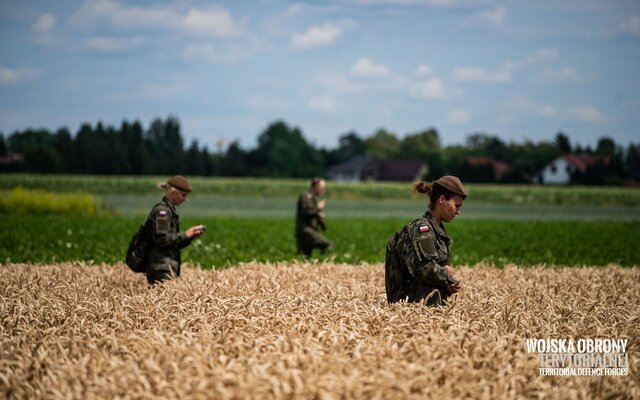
(443, 251)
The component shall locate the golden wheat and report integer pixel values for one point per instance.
(304, 330)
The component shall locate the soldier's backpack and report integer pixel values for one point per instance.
(139, 247)
(397, 278)
(394, 276)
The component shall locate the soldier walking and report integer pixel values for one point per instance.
(164, 223)
(310, 218)
(418, 257)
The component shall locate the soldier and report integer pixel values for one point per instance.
(164, 223)
(310, 218)
(418, 257)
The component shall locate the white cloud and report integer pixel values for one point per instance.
(518, 106)
(631, 25)
(108, 44)
(266, 103)
(217, 54)
(551, 75)
(364, 67)
(465, 74)
(16, 75)
(487, 18)
(211, 22)
(338, 84)
(430, 89)
(214, 21)
(316, 36)
(505, 72)
(406, 2)
(457, 117)
(545, 110)
(162, 91)
(322, 103)
(538, 57)
(42, 29)
(588, 114)
(423, 70)
(295, 9)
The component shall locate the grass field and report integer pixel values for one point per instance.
(256, 207)
(230, 240)
(254, 221)
(314, 331)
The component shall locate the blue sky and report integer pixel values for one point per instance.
(522, 70)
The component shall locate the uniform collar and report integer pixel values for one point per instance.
(439, 228)
(168, 203)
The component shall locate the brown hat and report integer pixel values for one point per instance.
(452, 184)
(179, 182)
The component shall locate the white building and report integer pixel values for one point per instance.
(560, 170)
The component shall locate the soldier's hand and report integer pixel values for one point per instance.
(454, 288)
(195, 231)
(321, 204)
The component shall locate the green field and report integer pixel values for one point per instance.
(230, 240)
(206, 205)
(253, 220)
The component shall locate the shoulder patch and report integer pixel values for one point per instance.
(424, 228)
(162, 213)
(162, 225)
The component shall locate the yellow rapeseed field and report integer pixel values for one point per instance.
(304, 330)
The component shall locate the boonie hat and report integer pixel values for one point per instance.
(452, 184)
(180, 182)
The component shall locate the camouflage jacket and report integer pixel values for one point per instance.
(308, 215)
(415, 261)
(167, 239)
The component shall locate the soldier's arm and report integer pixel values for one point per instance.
(161, 228)
(422, 256)
(308, 206)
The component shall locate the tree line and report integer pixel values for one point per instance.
(283, 151)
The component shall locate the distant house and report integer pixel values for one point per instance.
(348, 171)
(11, 158)
(394, 170)
(560, 170)
(364, 169)
(500, 168)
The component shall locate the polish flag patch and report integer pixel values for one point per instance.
(163, 213)
(424, 228)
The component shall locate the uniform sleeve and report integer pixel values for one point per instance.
(308, 206)
(161, 228)
(421, 258)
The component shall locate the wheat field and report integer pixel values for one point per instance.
(304, 330)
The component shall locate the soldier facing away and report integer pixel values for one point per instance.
(164, 257)
(310, 218)
(418, 257)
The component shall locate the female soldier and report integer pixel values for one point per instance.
(417, 263)
(164, 257)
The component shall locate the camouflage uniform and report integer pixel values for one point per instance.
(309, 218)
(164, 258)
(415, 263)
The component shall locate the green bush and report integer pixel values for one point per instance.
(21, 201)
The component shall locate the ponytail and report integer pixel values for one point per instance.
(422, 187)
